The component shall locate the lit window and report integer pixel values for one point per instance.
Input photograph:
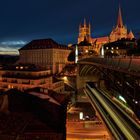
(81, 115)
(112, 48)
(117, 48)
(21, 67)
(17, 67)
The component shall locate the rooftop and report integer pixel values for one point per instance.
(101, 39)
(84, 43)
(43, 44)
(34, 118)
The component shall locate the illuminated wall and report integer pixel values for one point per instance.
(45, 53)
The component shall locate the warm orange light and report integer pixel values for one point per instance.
(65, 78)
(21, 67)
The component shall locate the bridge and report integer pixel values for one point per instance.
(126, 65)
(120, 77)
(120, 124)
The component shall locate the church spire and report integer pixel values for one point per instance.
(85, 22)
(120, 21)
(80, 26)
(89, 25)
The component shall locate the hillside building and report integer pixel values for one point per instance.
(45, 53)
(118, 32)
(24, 77)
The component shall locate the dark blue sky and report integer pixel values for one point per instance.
(24, 20)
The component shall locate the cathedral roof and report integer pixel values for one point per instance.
(100, 39)
(84, 43)
(43, 44)
(131, 35)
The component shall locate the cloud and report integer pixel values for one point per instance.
(11, 47)
(11, 43)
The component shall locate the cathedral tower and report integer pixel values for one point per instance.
(84, 32)
(120, 31)
(119, 21)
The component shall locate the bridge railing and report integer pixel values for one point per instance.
(126, 63)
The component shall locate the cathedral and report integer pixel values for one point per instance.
(118, 32)
(84, 32)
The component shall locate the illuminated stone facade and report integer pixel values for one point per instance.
(84, 32)
(46, 53)
(84, 49)
(118, 32)
(39, 60)
(24, 77)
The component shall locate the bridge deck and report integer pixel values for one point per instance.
(128, 64)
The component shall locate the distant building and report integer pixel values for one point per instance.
(120, 31)
(99, 42)
(119, 48)
(84, 32)
(39, 61)
(46, 53)
(84, 48)
(24, 77)
(117, 33)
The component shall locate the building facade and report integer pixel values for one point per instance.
(84, 32)
(24, 77)
(118, 32)
(46, 53)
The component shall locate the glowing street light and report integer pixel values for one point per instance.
(65, 78)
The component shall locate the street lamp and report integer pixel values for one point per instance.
(65, 78)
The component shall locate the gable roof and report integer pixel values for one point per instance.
(43, 44)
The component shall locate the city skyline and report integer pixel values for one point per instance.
(22, 22)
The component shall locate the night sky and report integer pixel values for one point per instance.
(24, 20)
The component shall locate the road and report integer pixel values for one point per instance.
(86, 130)
(78, 129)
